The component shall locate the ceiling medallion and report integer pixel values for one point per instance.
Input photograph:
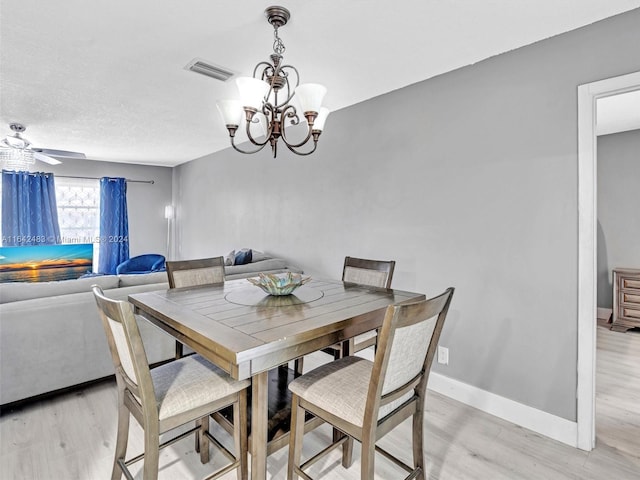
(266, 98)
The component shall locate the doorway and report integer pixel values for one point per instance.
(588, 95)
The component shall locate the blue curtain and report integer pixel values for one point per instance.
(29, 209)
(114, 224)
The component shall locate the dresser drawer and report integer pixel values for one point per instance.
(628, 297)
(630, 283)
(631, 313)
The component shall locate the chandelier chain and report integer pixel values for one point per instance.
(278, 45)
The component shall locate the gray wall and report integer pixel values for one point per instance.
(618, 212)
(468, 179)
(145, 202)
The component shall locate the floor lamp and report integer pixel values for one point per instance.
(169, 213)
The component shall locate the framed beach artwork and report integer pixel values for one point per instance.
(45, 263)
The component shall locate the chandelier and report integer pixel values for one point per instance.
(266, 98)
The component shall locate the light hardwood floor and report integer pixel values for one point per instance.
(72, 436)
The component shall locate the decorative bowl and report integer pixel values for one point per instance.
(279, 283)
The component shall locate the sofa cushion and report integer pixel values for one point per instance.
(130, 280)
(230, 258)
(257, 256)
(17, 291)
(263, 266)
(243, 257)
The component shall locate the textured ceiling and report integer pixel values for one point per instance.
(107, 77)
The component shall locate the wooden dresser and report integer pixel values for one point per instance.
(626, 299)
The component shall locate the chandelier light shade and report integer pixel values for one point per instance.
(310, 96)
(231, 111)
(265, 106)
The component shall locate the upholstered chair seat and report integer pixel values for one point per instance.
(341, 388)
(191, 383)
(365, 400)
(168, 396)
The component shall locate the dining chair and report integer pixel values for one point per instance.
(167, 396)
(192, 273)
(365, 400)
(372, 273)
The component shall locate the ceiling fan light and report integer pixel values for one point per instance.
(252, 91)
(310, 96)
(16, 159)
(230, 111)
(15, 142)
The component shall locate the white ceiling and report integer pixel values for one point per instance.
(107, 77)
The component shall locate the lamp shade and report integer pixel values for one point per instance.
(252, 91)
(310, 96)
(318, 124)
(231, 111)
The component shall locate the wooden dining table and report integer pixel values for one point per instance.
(247, 333)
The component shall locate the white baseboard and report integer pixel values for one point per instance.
(544, 423)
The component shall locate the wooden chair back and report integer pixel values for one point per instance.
(127, 349)
(137, 397)
(191, 273)
(397, 383)
(407, 342)
(374, 273)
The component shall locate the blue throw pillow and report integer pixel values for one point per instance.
(243, 257)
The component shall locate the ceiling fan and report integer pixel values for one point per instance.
(17, 152)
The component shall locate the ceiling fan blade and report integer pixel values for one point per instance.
(59, 153)
(45, 158)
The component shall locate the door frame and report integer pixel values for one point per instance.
(588, 94)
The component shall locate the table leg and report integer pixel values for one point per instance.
(347, 447)
(259, 422)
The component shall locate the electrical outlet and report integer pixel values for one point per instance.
(443, 355)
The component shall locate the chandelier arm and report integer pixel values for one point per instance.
(264, 75)
(290, 92)
(255, 70)
(238, 149)
(269, 113)
(284, 135)
(295, 70)
(252, 140)
(297, 152)
(296, 145)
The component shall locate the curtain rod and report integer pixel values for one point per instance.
(151, 182)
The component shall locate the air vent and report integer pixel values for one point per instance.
(200, 66)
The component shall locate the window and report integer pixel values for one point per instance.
(78, 202)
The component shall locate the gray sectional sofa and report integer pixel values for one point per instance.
(51, 336)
